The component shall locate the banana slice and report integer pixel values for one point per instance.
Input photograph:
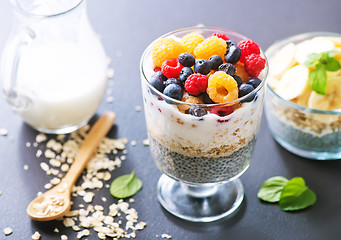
(303, 99)
(336, 41)
(318, 101)
(293, 83)
(283, 60)
(332, 99)
(315, 45)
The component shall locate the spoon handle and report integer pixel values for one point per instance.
(89, 146)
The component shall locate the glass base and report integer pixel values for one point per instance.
(62, 130)
(200, 202)
(308, 154)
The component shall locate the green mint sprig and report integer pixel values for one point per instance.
(125, 186)
(291, 194)
(322, 62)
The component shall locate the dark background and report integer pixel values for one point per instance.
(127, 27)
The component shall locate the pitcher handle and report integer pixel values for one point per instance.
(9, 66)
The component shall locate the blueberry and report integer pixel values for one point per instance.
(228, 68)
(173, 91)
(244, 90)
(215, 61)
(230, 43)
(197, 111)
(157, 83)
(233, 54)
(185, 73)
(206, 99)
(202, 66)
(238, 80)
(175, 81)
(160, 75)
(186, 59)
(254, 82)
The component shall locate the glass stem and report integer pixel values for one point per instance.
(200, 191)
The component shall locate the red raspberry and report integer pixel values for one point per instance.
(222, 111)
(196, 84)
(254, 64)
(247, 47)
(171, 68)
(156, 69)
(220, 35)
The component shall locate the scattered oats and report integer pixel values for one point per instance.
(125, 151)
(28, 144)
(81, 205)
(25, 167)
(104, 199)
(63, 237)
(36, 236)
(54, 171)
(41, 137)
(146, 142)
(140, 225)
(110, 99)
(69, 160)
(88, 197)
(8, 231)
(165, 235)
(76, 228)
(3, 132)
(107, 185)
(65, 167)
(39, 193)
(49, 154)
(138, 108)
(39, 153)
(131, 200)
(133, 143)
(110, 73)
(48, 186)
(55, 181)
(68, 222)
(54, 162)
(44, 166)
(35, 144)
(123, 157)
(56, 230)
(83, 233)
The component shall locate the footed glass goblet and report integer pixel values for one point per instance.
(201, 148)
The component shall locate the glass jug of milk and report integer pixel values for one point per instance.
(54, 66)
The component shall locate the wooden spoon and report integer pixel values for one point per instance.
(55, 203)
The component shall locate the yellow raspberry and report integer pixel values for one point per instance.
(188, 99)
(190, 41)
(165, 49)
(209, 47)
(222, 87)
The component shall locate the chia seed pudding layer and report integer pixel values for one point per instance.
(201, 169)
(315, 133)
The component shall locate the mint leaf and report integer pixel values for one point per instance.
(332, 64)
(272, 188)
(318, 80)
(312, 59)
(296, 195)
(125, 186)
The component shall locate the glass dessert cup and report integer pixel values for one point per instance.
(201, 157)
(306, 132)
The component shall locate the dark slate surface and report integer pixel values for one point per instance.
(127, 27)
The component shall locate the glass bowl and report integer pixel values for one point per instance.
(201, 157)
(306, 132)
